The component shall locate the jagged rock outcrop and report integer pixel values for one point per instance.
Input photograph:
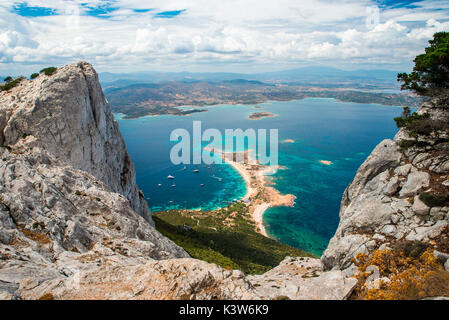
(70, 118)
(382, 205)
(73, 224)
(67, 184)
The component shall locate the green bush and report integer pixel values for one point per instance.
(34, 76)
(8, 79)
(412, 249)
(11, 84)
(432, 200)
(49, 71)
(402, 122)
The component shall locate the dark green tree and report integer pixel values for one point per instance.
(430, 75)
(34, 76)
(8, 79)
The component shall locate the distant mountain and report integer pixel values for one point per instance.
(307, 76)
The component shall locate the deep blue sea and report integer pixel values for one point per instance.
(322, 129)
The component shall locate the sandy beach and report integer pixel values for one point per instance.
(260, 195)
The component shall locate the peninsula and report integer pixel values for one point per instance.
(260, 195)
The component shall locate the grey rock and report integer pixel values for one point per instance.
(69, 117)
(416, 181)
(375, 273)
(303, 279)
(443, 257)
(403, 170)
(392, 186)
(420, 207)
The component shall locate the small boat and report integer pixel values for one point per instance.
(185, 168)
(202, 185)
(159, 185)
(170, 177)
(196, 171)
(173, 185)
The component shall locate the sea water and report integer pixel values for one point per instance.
(321, 129)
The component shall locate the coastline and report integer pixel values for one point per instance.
(257, 105)
(260, 195)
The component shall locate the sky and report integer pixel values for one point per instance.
(243, 36)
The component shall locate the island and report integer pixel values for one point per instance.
(261, 115)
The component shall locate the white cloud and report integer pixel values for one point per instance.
(233, 35)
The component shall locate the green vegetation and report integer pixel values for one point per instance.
(407, 121)
(11, 84)
(226, 237)
(34, 76)
(430, 74)
(49, 71)
(432, 200)
(8, 79)
(418, 124)
(412, 249)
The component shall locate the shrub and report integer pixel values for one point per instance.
(402, 122)
(432, 200)
(34, 76)
(421, 124)
(409, 278)
(49, 71)
(412, 249)
(8, 79)
(11, 84)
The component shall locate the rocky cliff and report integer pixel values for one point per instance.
(384, 203)
(73, 224)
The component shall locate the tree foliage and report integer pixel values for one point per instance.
(430, 74)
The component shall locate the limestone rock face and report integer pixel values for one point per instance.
(70, 118)
(303, 279)
(382, 205)
(67, 184)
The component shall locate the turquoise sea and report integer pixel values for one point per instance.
(322, 129)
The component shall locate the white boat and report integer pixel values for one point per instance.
(170, 177)
(196, 171)
(159, 185)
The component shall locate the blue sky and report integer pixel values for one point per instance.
(210, 35)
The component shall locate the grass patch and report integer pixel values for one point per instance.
(226, 237)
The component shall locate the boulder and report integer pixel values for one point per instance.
(416, 181)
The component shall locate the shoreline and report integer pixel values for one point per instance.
(257, 104)
(260, 195)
